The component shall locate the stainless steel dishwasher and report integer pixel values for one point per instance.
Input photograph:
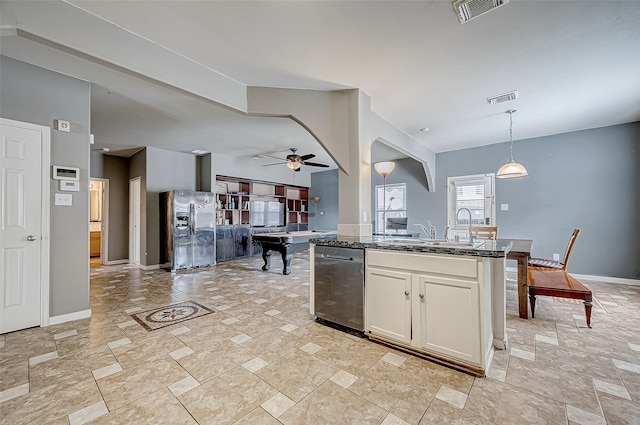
(339, 286)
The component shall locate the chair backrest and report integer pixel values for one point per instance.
(567, 253)
(485, 232)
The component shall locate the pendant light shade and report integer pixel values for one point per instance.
(511, 169)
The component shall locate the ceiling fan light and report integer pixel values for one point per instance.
(512, 170)
(293, 165)
(384, 168)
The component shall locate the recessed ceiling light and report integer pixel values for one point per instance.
(425, 129)
(198, 152)
(106, 149)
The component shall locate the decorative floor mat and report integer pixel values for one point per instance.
(170, 315)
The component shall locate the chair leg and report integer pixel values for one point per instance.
(587, 308)
(532, 301)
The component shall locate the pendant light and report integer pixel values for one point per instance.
(511, 169)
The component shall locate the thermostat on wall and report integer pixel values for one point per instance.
(66, 173)
(70, 185)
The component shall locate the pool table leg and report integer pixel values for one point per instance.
(286, 261)
(266, 256)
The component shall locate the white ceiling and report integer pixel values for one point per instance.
(575, 63)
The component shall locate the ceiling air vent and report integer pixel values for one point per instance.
(505, 97)
(469, 9)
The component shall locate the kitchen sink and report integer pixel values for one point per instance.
(430, 242)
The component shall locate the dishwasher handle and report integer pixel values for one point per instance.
(335, 257)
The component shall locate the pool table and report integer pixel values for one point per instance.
(286, 244)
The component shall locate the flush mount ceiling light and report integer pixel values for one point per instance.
(511, 169)
(466, 10)
(198, 152)
(504, 97)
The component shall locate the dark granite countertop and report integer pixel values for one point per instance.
(481, 248)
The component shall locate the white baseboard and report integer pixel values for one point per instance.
(78, 315)
(152, 267)
(606, 279)
(115, 262)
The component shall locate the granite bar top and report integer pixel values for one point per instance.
(482, 248)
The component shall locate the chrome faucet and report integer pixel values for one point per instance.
(430, 232)
(458, 213)
(445, 233)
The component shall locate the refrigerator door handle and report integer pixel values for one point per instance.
(191, 220)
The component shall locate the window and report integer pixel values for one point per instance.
(474, 193)
(395, 204)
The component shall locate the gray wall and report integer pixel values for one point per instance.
(116, 170)
(32, 94)
(411, 172)
(160, 171)
(138, 168)
(166, 170)
(586, 179)
(325, 185)
(203, 173)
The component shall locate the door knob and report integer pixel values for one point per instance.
(421, 295)
(31, 238)
(406, 293)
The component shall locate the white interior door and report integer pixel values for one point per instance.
(134, 221)
(22, 233)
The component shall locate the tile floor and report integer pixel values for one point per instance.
(261, 359)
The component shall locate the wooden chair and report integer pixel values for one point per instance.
(557, 283)
(485, 232)
(551, 264)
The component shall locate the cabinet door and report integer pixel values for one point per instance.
(448, 318)
(388, 304)
(242, 241)
(225, 243)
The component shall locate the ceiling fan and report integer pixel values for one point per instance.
(295, 161)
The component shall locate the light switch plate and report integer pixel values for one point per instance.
(504, 207)
(63, 199)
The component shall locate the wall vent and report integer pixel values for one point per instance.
(469, 9)
(505, 97)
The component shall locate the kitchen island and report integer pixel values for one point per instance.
(442, 300)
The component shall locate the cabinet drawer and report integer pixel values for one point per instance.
(424, 263)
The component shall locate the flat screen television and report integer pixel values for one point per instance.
(397, 223)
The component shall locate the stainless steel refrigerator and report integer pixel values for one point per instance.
(187, 229)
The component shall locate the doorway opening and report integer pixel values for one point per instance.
(98, 223)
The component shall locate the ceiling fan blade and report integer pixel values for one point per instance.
(315, 164)
(308, 156)
(275, 163)
(274, 157)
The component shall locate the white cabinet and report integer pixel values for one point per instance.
(431, 303)
(448, 318)
(388, 303)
